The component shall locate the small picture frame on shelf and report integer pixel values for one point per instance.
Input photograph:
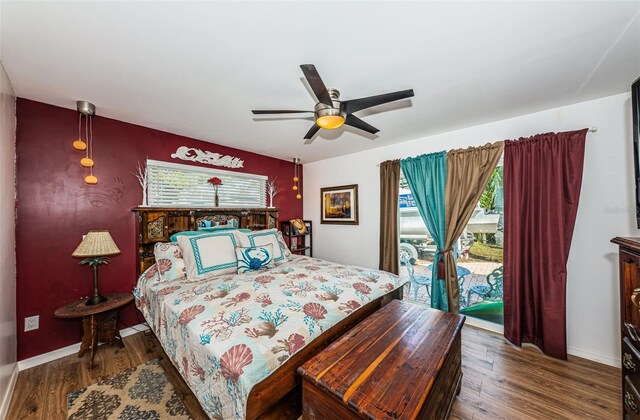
(339, 205)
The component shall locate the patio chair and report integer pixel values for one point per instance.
(417, 281)
(492, 291)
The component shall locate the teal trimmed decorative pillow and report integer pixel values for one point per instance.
(203, 230)
(209, 254)
(259, 238)
(255, 258)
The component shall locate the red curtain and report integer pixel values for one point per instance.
(542, 179)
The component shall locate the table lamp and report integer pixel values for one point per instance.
(95, 248)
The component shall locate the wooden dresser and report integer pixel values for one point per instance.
(629, 260)
(156, 224)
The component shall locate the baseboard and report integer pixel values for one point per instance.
(66, 351)
(574, 351)
(594, 356)
(6, 400)
(485, 325)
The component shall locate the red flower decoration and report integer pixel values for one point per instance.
(214, 181)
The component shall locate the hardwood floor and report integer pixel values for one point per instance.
(499, 382)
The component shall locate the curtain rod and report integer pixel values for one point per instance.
(590, 130)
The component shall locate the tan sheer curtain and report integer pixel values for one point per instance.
(468, 171)
(389, 191)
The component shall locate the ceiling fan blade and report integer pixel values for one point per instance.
(356, 122)
(354, 105)
(277, 111)
(312, 132)
(316, 83)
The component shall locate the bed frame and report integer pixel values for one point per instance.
(278, 396)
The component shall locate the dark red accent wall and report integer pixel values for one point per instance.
(55, 208)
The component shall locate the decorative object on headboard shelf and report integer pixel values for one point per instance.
(272, 190)
(157, 224)
(209, 158)
(216, 182)
(95, 248)
(296, 177)
(141, 175)
(88, 110)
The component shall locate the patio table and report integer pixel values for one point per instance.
(462, 272)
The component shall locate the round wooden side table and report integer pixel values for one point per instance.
(99, 322)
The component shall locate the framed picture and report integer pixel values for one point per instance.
(339, 205)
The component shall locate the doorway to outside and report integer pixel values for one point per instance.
(480, 253)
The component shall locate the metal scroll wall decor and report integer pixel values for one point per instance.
(209, 158)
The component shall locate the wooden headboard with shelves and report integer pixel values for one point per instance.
(156, 224)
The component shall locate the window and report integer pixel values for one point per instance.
(177, 185)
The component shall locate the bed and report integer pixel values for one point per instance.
(238, 339)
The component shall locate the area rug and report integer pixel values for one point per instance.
(142, 392)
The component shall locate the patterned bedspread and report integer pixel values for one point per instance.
(228, 333)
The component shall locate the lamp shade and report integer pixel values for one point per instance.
(97, 243)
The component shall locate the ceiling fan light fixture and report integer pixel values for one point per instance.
(331, 112)
(330, 122)
(329, 118)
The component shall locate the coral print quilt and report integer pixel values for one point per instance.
(227, 333)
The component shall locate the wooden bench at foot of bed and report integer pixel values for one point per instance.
(279, 395)
(402, 362)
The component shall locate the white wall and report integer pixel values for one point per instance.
(606, 209)
(8, 371)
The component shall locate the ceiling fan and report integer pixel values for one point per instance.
(330, 112)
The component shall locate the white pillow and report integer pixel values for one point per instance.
(209, 254)
(263, 238)
(283, 246)
(169, 261)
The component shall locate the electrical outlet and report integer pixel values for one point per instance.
(32, 323)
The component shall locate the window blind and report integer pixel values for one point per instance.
(176, 185)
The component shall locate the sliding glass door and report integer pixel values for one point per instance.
(480, 253)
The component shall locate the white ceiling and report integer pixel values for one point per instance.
(197, 69)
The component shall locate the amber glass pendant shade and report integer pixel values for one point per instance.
(86, 162)
(91, 179)
(298, 196)
(79, 145)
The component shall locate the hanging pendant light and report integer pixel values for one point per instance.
(296, 177)
(86, 110)
(79, 144)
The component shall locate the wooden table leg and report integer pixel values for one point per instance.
(94, 340)
(86, 335)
